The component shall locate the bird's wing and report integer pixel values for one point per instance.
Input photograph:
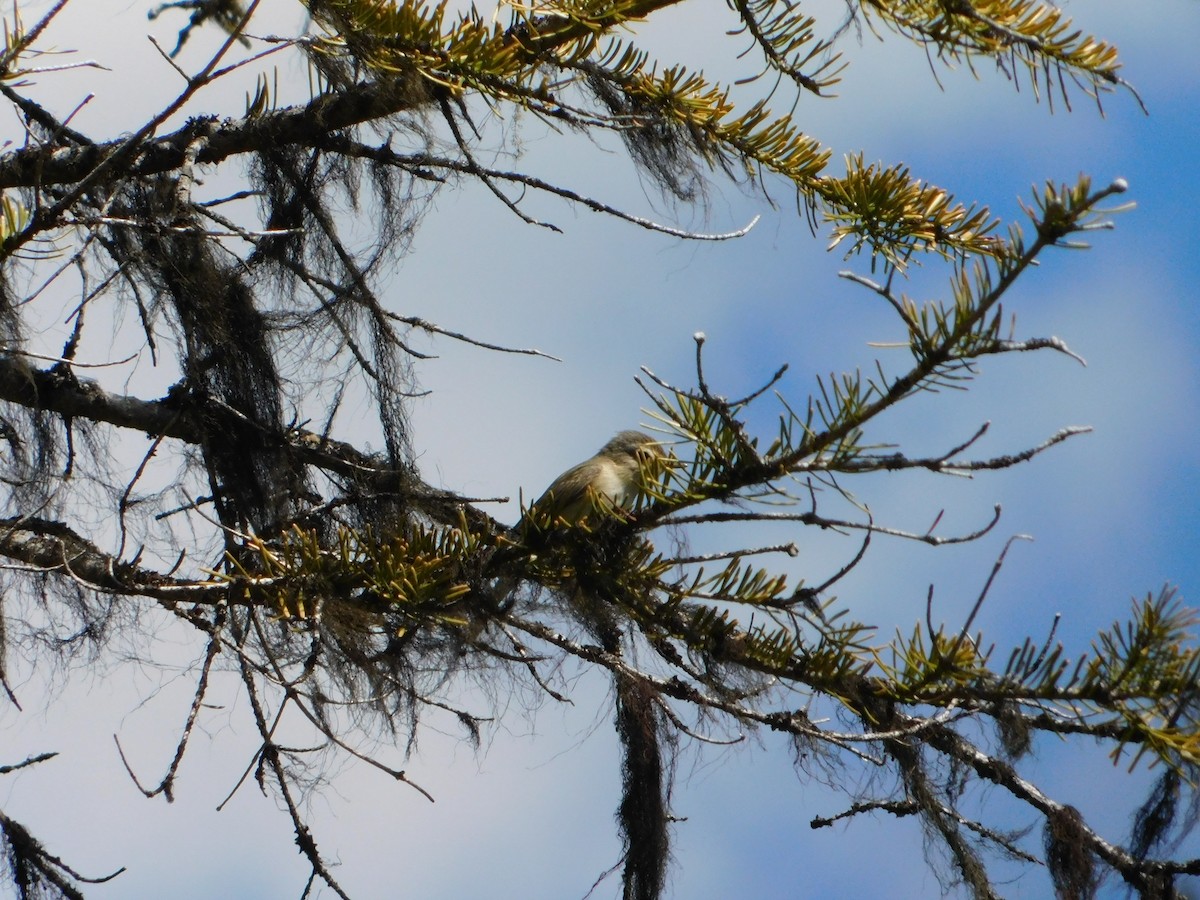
(569, 489)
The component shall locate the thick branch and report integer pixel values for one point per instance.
(307, 125)
(57, 390)
(48, 546)
(187, 418)
(304, 126)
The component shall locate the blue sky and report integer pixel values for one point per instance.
(1113, 514)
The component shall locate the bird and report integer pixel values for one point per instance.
(611, 480)
(578, 500)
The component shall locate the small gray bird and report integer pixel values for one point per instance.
(612, 479)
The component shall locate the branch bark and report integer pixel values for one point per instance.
(185, 417)
(307, 125)
(53, 547)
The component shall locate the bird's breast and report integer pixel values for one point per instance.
(614, 483)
